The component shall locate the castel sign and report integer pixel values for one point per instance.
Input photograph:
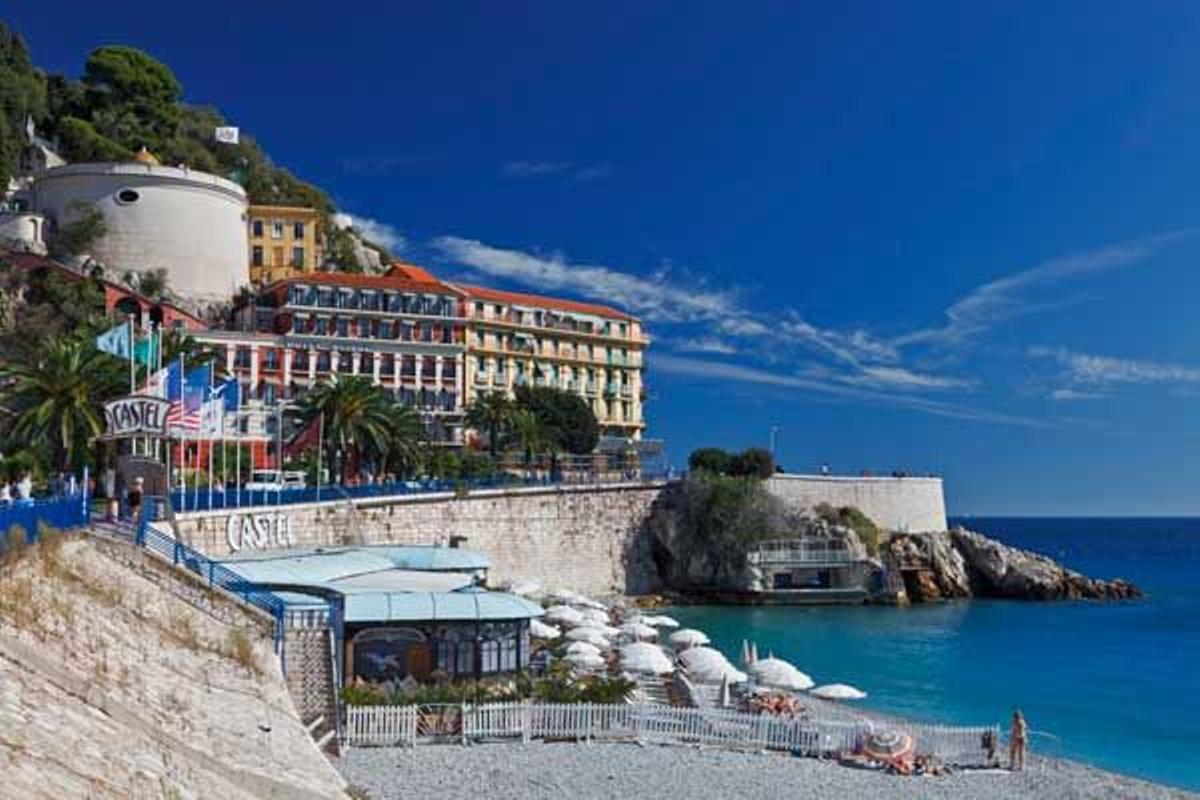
(135, 416)
(259, 531)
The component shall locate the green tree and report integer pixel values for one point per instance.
(58, 397)
(46, 304)
(22, 96)
(713, 460)
(490, 413)
(406, 433)
(527, 433)
(567, 420)
(753, 462)
(82, 142)
(357, 419)
(133, 97)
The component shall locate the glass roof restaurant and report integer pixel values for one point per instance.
(399, 612)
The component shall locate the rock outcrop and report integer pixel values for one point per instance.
(961, 563)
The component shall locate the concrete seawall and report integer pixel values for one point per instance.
(588, 538)
(911, 505)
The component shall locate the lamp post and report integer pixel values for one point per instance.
(774, 433)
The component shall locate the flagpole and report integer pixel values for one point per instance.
(210, 439)
(238, 440)
(132, 354)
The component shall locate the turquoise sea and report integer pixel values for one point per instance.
(1114, 684)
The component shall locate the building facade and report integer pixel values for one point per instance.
(284, 242)
(190, 223)
(515, 339)
(403, 331)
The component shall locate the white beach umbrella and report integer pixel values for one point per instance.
(838, 691)
(636, 630)
(563, 595)
(588, 635)
(563, 614)
(540, 630)
(607, 631)
(688, 637)
(660, 621)
(576, 648)
(709, 665)
(645, 657)
(779, 674)
(595, 615)
(585, 660)
(525, 588)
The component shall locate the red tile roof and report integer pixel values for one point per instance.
(558, 304)
(396, 281)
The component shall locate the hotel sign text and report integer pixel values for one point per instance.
(136, 416)
(259, 531)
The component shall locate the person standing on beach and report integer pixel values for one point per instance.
(1016, 742)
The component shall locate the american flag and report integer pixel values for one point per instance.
(179, 418)
(186, 395)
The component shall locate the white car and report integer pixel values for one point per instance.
(272, 480)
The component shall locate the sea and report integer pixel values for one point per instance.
(1115, 684)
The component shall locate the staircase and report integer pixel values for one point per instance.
(653, 689)
(312, 683)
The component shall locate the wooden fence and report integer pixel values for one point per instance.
(404, 726)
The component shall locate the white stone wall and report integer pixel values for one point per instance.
(590, 539)
(190, 223)
(914, 505)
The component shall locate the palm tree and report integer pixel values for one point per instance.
(490, 413)
(529, 433)
(56, 396)
(357, 418)
(405, 435)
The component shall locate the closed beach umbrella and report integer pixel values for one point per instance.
(779, 674)
(688, 637)
(636, 630)
(540, 630)
(576, 648)
(563, 614)
(588, 635)
(645, 657)
(660, 622)
(838, 691)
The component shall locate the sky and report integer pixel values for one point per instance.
(952, 238)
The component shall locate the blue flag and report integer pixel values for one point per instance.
(118, 341)
(227, 392)
(190, 388)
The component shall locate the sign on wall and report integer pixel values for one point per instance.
(259, 531)
(135, 416)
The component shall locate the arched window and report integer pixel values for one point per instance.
(384, 654)
(128, 196)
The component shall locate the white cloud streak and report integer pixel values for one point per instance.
(720, 370)
(1093, 370)
(1010, 296)
(372, 230)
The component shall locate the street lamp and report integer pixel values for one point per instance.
(774, 433)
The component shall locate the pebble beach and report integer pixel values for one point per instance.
(626, 771)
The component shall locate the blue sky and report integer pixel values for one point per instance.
(949, 237)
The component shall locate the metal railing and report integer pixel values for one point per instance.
(405, 726)
(799, 551)
(62, 513)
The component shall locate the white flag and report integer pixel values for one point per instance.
(229, 135)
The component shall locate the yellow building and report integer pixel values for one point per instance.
(284, 242)
(516, 339)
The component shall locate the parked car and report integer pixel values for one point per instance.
(272, 480)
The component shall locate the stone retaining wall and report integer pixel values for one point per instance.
(589, 538)
(908, 505)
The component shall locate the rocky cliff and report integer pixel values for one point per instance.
(960, 563)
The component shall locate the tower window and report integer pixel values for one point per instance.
(128, 196)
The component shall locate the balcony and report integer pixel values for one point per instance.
(481, 378)
(610, 389)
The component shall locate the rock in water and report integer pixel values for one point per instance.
(961, 563)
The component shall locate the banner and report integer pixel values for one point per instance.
(118, 341)
(227, 135)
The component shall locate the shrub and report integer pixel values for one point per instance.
(850, 517)
(241, 649)
(753, 462)
(709, 459)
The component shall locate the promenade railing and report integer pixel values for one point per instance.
(227, 497)
(216, 576)
(61, 513)
(403, 726)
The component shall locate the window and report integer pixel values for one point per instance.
(256, 228)
(479, 309)
(256, 256)
(343, 326)
(297, 256)
(277, 257)
(126, 196)
(277, 229)
(298, 230)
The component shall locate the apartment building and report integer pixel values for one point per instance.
(404, 330)
(284, 242)
(516, 339)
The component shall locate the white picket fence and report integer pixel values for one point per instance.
(401, 726)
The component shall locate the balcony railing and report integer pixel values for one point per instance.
(801, 551)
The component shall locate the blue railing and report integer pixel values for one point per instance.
(63, 513)
(215, 574)
(199, 499)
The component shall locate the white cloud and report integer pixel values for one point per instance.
(1010, 296)
(654, 298)
(533, 169)
(1094, 370)
(851, 347)
(1075, 394)
(720, 370)
(372, 230)
(705, 344)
